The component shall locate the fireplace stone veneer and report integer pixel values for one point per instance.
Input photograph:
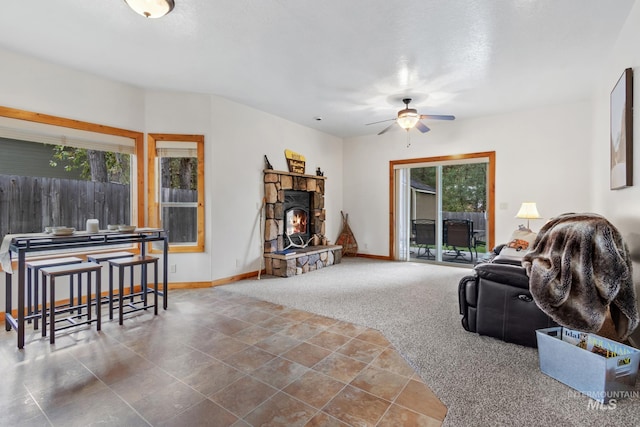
(294, 261)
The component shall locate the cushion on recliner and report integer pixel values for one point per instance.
(467, 302)
(519, 244)
(504, 273)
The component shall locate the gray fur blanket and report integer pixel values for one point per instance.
(579, 267)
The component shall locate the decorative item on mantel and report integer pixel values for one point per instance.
(267, 163)
(319, 240)
(319, 171)
(295, 161)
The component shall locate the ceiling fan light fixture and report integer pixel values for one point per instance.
(408, 118)
(151, 8)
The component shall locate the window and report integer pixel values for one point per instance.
(176, 189)
(57, 171)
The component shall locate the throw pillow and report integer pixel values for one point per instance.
(521, 240)
(518, 245)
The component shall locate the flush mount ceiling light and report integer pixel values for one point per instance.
(151, 8)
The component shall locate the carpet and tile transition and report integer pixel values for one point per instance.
(482, 381)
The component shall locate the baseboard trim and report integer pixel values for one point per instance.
(188, 285)
(378, 257)
(236, 278)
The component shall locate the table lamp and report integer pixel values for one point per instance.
(528, 210)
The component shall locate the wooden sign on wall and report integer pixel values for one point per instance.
(295, 161)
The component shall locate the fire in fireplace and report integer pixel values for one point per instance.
(296, 221)
(296, 216)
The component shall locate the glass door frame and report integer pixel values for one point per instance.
(394, 212)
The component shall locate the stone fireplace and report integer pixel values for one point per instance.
(294, 214)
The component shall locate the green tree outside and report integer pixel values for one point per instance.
(93, 165)
(464, 186)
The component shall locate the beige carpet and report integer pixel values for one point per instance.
(483, 381)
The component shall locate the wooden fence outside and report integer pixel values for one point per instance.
(478, 218)
(182, 222)
(28, 204)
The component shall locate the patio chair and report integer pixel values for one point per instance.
(425, 235)
(458, 234)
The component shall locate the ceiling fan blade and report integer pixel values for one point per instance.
(381, 121)
(437, 117)
(422, 127)
(386, 129)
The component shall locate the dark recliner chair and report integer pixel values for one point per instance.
(496, 301)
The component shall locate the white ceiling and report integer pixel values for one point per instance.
(347, 61)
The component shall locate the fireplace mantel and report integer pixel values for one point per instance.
(268, 171)
(285, 263)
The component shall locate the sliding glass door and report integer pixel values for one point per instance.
(442, 209)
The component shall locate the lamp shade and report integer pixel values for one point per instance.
(151, 8)
(408, 118)
(528, 210)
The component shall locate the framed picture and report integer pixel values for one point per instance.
(622, 131)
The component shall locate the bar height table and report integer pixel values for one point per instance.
(21, 245)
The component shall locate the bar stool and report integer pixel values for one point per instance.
(33, 269)
(74, 319)
(105, 257)
(131, 262)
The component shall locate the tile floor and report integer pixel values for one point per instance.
(213, 358)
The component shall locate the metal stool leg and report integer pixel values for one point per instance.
(155, 285)
(88, 296)
(52, 312)
(120, 292)
(43, 308)
(110, 292)
(143, 284)
(131, 290)
(29, 301)
(98, 299)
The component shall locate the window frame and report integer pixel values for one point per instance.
(394, 165)
(152, 188)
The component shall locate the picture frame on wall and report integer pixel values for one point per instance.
(621, 136)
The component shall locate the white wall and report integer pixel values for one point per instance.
(542, 155)
(622, 207)
(33, 85)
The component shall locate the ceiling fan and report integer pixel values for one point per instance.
(409, 118)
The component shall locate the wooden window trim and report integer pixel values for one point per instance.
(154, 206)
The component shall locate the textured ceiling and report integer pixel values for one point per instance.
(347, 61)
